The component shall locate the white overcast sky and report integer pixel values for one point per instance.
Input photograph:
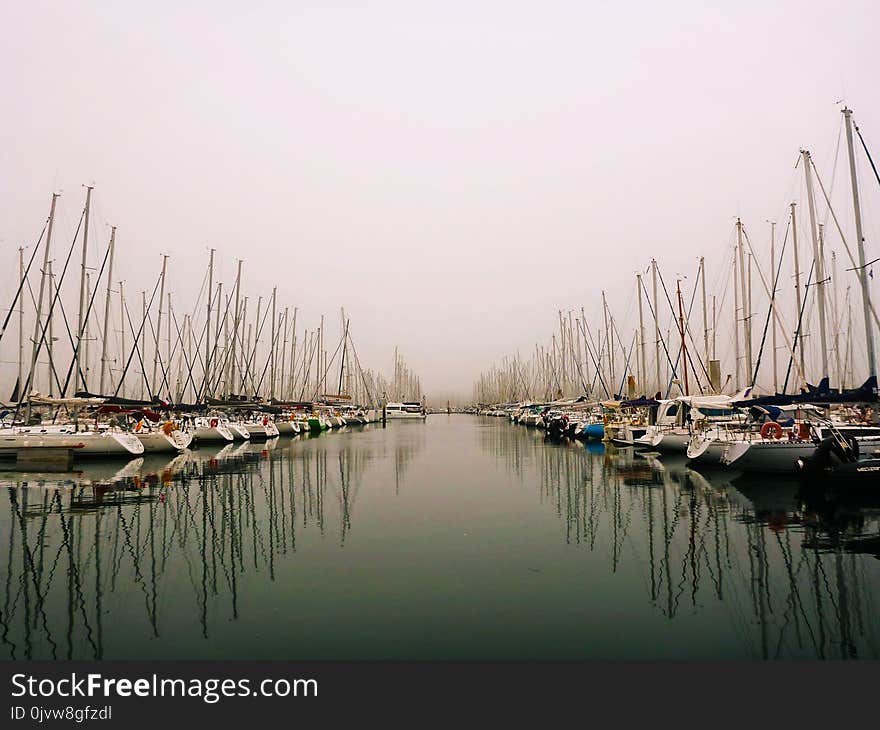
(452, 173)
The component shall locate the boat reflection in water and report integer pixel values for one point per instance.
(796, 571)
(100, 552)
(375, 542)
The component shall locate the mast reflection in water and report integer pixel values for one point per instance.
(461, 537)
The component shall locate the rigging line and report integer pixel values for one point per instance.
(623, 351)
(42, 338)
(271, 354)
(226, 350)
(868, 153)
(198, 347)
(577, 363)
(135, 349)
(70, 337)
(357, 360)
(588, 341)
(166, 381)
(842, 237)
(662, 341)
(834, 166)
(251, 358)
(598, 362)
(329, 364)
(626, 364)
(687, 331)
(798, 330)
(137, 337)
(241, 362)
(678, 357)
(213, 359)
(159, 359)
(674, 366)
(791, 347)
(770, 309)
(189, 376)
(311, 347)
(858, 268)
(74, 359)
(21, 283)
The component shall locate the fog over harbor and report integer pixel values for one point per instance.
(451, 174)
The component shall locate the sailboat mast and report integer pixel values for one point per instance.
(797, 283)
(281, 381)
(86, 335)
(208, 324)
(143, 341)
(656, 325)
(773, 305)
(107, 300)
(292, 385)
(235, 328)
(642, 371)
(714, 326)
(736, 365)
(319, 367)
(818, 258)
(611, 380)
(256, 344)
(78, 382)
(170, 363)
(835, 318)
(746, 312)
(217, 376)
(684, 352)
(121, 385)
(23, 393)
(860, 241)
(50, 342)
(19, 384)
(155, 384)
(272, 347)
(705, 320)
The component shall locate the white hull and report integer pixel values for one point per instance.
(705, 451)
(287, 428)
(84, 444)
(261, 431)
(766, 456)
(213, 434)
(672, 442)
(159, 442)
(238, 431)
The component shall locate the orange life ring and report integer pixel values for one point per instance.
(167, 428)
(771, 427)
(139, 426)
(214, 423)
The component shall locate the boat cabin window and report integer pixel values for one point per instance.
(715, 412)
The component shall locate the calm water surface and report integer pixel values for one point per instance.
(463, 537)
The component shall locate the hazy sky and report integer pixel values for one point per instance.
(452, 173)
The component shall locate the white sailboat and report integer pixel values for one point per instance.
(211, 429)
(107, 442)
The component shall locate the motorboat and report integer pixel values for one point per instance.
(410, 410)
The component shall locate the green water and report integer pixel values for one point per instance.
(461, 537)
